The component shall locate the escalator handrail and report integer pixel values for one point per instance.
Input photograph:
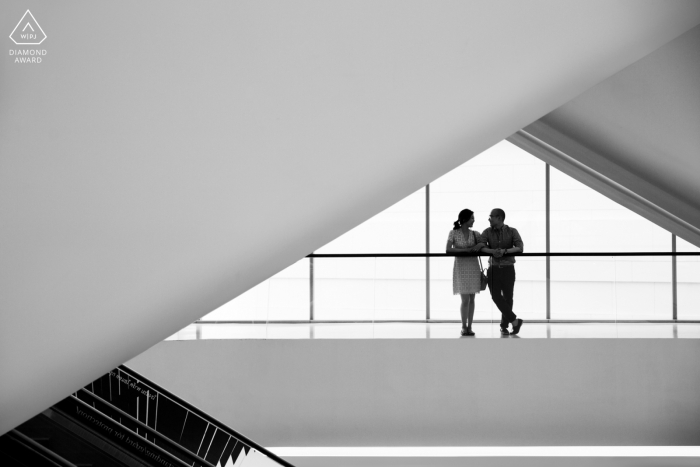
(145, 427)
(155, 447)
(39, 449)
(205, 416)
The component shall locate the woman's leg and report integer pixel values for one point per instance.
(470, 316)
(464, 309)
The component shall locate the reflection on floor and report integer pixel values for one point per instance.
(434, 331)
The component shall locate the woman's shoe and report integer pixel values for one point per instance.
(470, 333)
(463, 332)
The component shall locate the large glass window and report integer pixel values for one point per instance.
(504, 177)
(368, 289)
(688, 278)
(398, 229)
(283, 297)
(607, 288)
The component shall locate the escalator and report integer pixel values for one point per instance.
(123, 419)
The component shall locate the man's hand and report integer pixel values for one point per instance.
(498, 253)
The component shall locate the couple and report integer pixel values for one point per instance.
(500, 241)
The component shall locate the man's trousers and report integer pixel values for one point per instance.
(501, 283)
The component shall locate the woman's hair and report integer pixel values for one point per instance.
(464, 216)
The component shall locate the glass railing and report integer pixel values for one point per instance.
(147, 420)
(364, 291)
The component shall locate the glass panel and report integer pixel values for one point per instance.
(368, 289)
(398, 229)
(400, 289)
(289, 293)
(688, 277)
(583, 288)
(611, 288)
(643, 288)
(344, 289)
(582, 220)
(285, 296)
(530, 292)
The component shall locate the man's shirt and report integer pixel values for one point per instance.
(505, 237)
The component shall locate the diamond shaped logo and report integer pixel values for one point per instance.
(28, 31)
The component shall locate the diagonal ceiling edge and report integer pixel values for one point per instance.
(634, 137)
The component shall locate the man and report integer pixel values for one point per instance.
(502, 241)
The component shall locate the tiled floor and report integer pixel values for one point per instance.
(434, 331)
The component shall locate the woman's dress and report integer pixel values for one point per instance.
(466, 275)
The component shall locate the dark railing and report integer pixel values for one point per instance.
(673, 314)
(156, 418)
(547, 256)
(100, 419)
(440, 255)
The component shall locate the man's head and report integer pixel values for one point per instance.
(496, 218)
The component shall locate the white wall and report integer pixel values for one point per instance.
(167, 156)
(440, 392)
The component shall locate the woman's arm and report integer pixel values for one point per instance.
(451, 249)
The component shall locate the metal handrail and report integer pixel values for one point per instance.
(186, 405)
(125, 429)
(41, 450)
(440, 255)
(143, 426)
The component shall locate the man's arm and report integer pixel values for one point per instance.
(487, 249)
(518, 245)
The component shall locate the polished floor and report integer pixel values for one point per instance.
(435, 331)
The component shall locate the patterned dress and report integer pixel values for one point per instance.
(466, 275)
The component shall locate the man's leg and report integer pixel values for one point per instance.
(507, 286)
(496, 289)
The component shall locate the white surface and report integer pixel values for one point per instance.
(439, 392)
(506, 456)
(167, 156)
(490, 451)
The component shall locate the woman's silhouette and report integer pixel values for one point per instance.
(466, 275)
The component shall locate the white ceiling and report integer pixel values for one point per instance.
(641, 128)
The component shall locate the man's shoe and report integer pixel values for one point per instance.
(517, 326)
(504, 332)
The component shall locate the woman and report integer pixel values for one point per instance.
(466, 275)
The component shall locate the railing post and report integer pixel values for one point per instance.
(547, 285)
(674, 278)
(311, 288)
(427, 250)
